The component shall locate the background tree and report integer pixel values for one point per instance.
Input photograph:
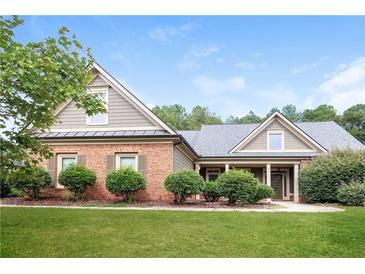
(174, 115)
(250, 118)
(35, 79)
(290, 112)
(320, 113)
(353, 120)
(202, 116)
(272, 111)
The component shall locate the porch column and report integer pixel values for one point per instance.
(227, 167)
(268, 174)
(197, 170)
(296, 183)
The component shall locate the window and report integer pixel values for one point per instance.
(126, 160)
(212, 174)
(275, 141)
(63, 161)
(99, 118)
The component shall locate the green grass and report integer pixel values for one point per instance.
(41, 232)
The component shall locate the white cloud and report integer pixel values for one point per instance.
(257, 54)
(279, 95)
(150, 105)
(212, 86)
(343, 87)
(306, 67)
(192, 59)
(250, 65)
(164, 34)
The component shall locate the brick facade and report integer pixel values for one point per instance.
(159, 165)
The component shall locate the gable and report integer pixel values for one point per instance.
(293, 138)
(291, 141)
(125, 111)
(121, 114)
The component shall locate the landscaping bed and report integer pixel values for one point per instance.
(48, 201)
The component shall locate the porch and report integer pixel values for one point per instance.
(281, 176)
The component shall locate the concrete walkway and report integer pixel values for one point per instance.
(281, 207)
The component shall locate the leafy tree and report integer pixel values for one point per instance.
(353, 119)
(320, 113)
(173, 115)
(35, 79)
(250, 118)
(290, 112)
(202, 116)
(272, 111)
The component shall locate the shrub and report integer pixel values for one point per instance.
(211, 191)
(320, 179)
(263, 191)
(77, 178)
(125, 181)
(352, 194)
(30, 180)
(16, 192)
(238, 185)
(5, 186)
(183, 184)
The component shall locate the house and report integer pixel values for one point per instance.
(131, 135)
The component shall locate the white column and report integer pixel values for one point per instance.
(268, 174)
(296, 183)
(227, 167)
(197, 170)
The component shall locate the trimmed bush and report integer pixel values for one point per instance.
(352, 194)
(320, 179)
(183, 184)
(5, 186)
(211, 191)
(30, 180)
(77, 178)
(263, 192)
(125, 181)
(238, 185)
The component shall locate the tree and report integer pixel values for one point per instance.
(353, 120)
(35, 79)
(202, 116)
(173, 115)
(250, 118)
(272, 111)
(290, 112)
(320, 113)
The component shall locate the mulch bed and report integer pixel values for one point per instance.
(47, 201)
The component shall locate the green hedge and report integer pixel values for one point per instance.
(352, 194)
(30, 180)
(321, 178)
(5, 186)
(263, 192)
(77, 178)
(125, 181)
(183, 184)
(211, 191)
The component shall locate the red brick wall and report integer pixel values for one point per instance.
(159, 166)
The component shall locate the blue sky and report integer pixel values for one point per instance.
(232, 64)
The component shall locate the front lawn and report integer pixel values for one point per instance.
(47, 232)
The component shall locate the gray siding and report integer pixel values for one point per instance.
(291, 141)
(121, 113)
(181, 161)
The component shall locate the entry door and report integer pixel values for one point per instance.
(277, 185)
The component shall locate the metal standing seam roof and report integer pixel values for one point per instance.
(107, 133)
(218, 140)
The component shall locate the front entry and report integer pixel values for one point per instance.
(277, 185)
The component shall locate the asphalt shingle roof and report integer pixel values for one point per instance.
(218, 140)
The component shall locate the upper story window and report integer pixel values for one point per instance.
(99, 118)
(275, 140)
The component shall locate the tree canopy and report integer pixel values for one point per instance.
(36, 78)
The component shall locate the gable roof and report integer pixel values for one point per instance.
(119, 88)
(218, 140)
(287, 123)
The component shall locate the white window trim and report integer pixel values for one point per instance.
(119, 155)
(59, 166)
(275, 132)
(209, 171)
(98, 91)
